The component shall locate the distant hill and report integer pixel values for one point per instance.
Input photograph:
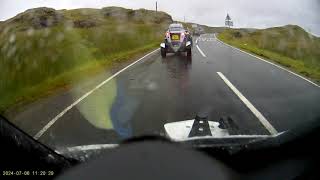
(47, 17)
(288, 45)
(207, 29)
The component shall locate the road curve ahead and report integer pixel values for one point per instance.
(219, 80)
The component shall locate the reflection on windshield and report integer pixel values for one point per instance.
(122, 111)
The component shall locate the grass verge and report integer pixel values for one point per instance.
(63, 81)
(305, 64)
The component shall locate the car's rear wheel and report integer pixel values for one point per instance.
(189, 53)
(163, 52)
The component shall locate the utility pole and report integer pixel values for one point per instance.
(184, 19)
(156, 10)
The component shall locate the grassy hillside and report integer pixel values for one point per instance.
(290, 46)
(42, 49)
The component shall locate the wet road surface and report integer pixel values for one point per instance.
(154, 91)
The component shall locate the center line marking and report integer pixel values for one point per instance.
(201, 51)
(45, 128)
(261, 118)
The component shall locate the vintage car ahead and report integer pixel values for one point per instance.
(177, 39)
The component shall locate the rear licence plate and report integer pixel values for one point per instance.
(175, 37)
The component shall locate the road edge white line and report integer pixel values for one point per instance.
(261, 118)
(278, 66)
(201, 51)
(52, 121)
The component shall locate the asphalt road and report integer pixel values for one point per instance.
(154, 91)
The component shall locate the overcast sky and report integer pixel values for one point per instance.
(244, 13)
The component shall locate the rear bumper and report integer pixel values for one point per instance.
(180, 47)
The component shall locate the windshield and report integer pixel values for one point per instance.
(176, 27)
(82, 73)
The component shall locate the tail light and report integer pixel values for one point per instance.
(182, 35)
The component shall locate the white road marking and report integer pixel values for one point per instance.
(197, 41)
(45, 128)
(201, 51)
(261, 118)
(278, 66)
